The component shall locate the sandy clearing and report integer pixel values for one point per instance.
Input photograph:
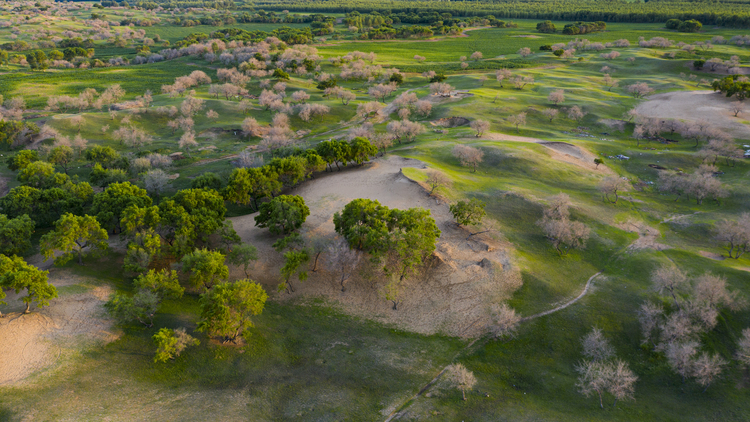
(452, 297)
(561, 151)
(33, 342)
(695, 105)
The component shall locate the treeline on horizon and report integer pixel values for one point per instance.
(731, 13)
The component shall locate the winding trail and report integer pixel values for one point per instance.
(437, 377)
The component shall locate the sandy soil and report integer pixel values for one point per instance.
(34, 342)
(463, 278)
(561, 151)
(647, 236)
(614, 124)
(696, 105)
(711, 255)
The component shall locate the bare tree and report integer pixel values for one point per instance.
(596, 347)
(501, 75)
(468, 156)
(460, 378)
(480, 126)
(575, 113)
(505, 321)
(611, 186)
(622, 382)
(343, 260)
(707, 368)
(556, 97)
(550, 113)
(680, 357)
(519, 82)
(735, 234)
(441, 88)
(743, 348)
(594, 378)
(423, 107)
(650, 315)
(639, 90)
(609, 82)
(737, 108)
(525, 52)
(476, 56)
(565, 234)
(437, 180)
(187, 142)
(156, 181)
(670, 279)
(517, 120)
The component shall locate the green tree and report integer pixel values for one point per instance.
(205, 267)
(546, 27)
(360, 150)
(412, 239)
(242, 255)
(171, 343)
(468, 213)
(333, 152)
(363, 223)
(283, 214)
(106, 156)
(22, 158)
(17, 274)
(226, 309)
(207, 180)
(61, 156)
(141, 307)
(164, 283)
(247, 186)
(205, 207)
(42, 175)
(73, 234)
(15, 234)
(109, 205)
(293, 262)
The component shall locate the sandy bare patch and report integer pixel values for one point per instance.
(463, 278)
(33, 342)
(561, 151)
(450, 122)
(614, 124)
(711, 255)
(694, 106)
(525, 36)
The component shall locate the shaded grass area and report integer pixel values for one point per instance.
(301, 362)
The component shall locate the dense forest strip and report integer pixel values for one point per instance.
(725, 13)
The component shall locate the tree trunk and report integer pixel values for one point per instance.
(80, 256)
(601, 404)
(27, 310)
(463, 393)
(315, 263)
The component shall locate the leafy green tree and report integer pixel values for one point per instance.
(364, 224)
(205, 267)
(468, 213)
(546, 27)
(145, 247)
(73, 234)
(42, 175)
(141, 307)
(412, 239)
(226, 309)
(62, 156)
(280, 74)
(17, 274)
(283, 214)
(171, 343)
(333, 152)
(106, 156)
(22, 158)
(360, 150)
(242, 255)
(205, 207)
(15, 234)
(293, 262)
(247, 186)
(289, 170)
(109, 205)
(207, 180)
(164, 283)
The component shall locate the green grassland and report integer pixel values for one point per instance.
(307, 360)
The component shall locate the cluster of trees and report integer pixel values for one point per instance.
(560, 230)
(583, 28)
(399, 240)
(693, 309)
(734, 85)
(700, 185)
(690, 25)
